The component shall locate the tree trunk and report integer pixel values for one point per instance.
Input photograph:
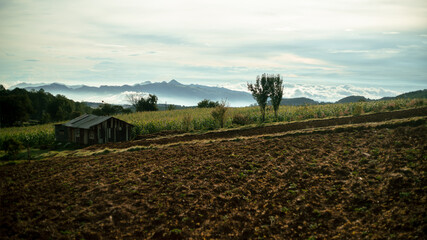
(28, 154)
(262, 114)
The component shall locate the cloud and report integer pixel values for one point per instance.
(357, 42)
(110, 45)
(151, 38)
(120, 98)
(333, 93)
(350, 51)
(371, 54)
(243, 87)
(391, 33)
(323, 93)
(99, 58)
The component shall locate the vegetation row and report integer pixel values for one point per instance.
(203, 119)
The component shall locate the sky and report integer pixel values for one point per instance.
(376, 46)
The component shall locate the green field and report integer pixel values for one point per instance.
(197, 119)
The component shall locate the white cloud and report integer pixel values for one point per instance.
(324, 93)
(391, 33)
(350, 51)
(110, 45)
(333, 93)
(120, 98)
(243, 87)
(284, 29)
(372, 54)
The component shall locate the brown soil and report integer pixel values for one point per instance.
(353, 184)
(159, 134)
(167, 136)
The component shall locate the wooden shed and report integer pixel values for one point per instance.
(91, 129)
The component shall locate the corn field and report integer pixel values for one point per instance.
(39, 135)
(200, 119)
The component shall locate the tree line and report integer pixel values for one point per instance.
(18, 106)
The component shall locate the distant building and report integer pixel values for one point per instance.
(91, 129)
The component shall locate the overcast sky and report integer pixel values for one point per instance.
(362, 43)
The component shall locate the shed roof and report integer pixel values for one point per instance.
(86, 121)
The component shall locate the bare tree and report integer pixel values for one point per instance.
(142, 104)
(133, 98)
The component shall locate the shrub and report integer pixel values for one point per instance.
(204, 124)
(186, 122)
(416, 102)
(219, 113)
(136, 130)
(240, 119)
(12, 147)
(207, 104)
(152, 127)
(357, 110)
(391, 106)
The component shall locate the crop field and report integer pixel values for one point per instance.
(197, 119)
(201, 119)
(357, 182)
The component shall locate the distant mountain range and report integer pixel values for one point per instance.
(173, 92)
(415, 94)
(350, 99)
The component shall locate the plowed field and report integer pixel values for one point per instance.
(147, 140)
(352, 184)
